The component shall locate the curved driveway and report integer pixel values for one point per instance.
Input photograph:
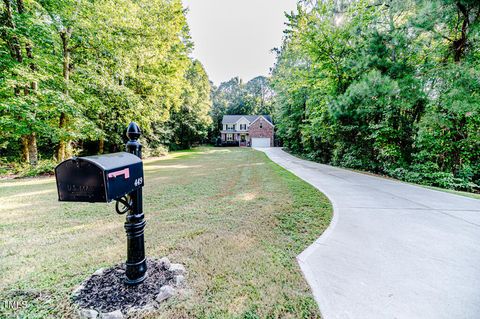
(393, 250)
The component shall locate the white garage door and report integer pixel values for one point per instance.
(260, 142)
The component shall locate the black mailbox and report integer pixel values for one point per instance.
(101, 178)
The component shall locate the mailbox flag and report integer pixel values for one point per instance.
(125, 172)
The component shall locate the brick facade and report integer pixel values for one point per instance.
(261, 128)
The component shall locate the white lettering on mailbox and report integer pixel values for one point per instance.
(125, 172)
(138, 181)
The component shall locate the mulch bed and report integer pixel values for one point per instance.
(107, 292)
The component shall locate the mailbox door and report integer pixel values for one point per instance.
(80, 181)
(124, 180)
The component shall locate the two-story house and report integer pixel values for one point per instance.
(248, 130)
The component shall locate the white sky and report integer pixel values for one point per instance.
(235, 37)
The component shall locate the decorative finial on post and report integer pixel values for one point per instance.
(133, 131)
(136, 265)
(133, 134)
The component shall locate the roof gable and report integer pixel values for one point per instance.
(263, 117)
(232, 119)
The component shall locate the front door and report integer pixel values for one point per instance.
(243, 140)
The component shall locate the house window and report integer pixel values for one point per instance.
(243, 127)
(229, 137)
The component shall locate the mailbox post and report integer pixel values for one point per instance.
(136, 265)
(112, 177)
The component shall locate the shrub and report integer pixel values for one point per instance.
(157, 151)
(429, 173)
(4, 167)
(43, 167)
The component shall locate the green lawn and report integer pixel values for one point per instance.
(233, 217)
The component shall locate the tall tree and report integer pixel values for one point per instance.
(75, 72)
(191, 121)
(388, 86)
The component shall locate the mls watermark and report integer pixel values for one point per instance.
(13, 304)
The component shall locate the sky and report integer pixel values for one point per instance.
(235, 37)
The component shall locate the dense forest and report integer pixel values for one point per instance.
(74, 73)
(389, 86)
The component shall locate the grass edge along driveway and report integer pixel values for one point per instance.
(233, 217)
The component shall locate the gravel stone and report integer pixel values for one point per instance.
(117, 314)
(87, 314)
(165, 293)
(177, 269)
(164, 263)
(77, 291)
(99, 272)
(139, 312)
(179, 280)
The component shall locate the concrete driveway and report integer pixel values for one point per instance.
(393, 250)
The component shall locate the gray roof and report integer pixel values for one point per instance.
(229, 119)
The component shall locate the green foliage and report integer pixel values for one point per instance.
(75, 73)
(44, 167)
(190, 123)
(390, 87)
(157, 151)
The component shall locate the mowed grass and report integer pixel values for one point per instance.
(233, 217)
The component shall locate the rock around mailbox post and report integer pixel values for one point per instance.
(104, 178)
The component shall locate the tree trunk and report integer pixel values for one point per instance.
(29, 142)
(66, 56)
(460, 44)
(65, 35)
(32, 149)
(25, 154)
(32, 138)
(29, 50)
(20, 6)
(12, 41)
(62, 145)
(101, 145)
